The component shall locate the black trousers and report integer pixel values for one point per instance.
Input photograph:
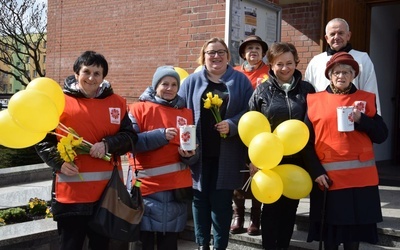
(73, 230)
(165, 241)
(277, 223)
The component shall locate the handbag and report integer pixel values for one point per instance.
(118, 213)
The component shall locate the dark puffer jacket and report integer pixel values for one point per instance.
(277, 105)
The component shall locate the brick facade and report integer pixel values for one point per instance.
(137, 36)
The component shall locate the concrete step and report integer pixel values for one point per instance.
(244, 241)
(17, 193)
(25, 174)
(389, 233)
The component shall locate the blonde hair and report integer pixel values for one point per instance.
(201, 59)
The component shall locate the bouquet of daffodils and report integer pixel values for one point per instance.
(72, 144)
(214, 102)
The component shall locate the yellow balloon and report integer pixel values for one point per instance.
(34, 111)
(50, 88)
(182, 73)
(297, 183)
(13, 136)
(294, 135)
(266, 186)
(265, 150)
(198, 68)
(251, 124)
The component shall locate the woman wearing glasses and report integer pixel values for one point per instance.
(346, 158)
(223, 154)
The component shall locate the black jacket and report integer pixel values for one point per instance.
(271, 100)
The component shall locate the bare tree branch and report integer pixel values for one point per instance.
(22, 38)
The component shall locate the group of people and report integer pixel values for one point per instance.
(341, 163)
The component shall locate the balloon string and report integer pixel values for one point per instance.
(247, 184)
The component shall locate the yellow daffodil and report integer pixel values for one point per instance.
(214, 102)
(207, 103)
(72, 144)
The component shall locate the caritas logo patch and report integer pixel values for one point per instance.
(185, 136)
(180, 121)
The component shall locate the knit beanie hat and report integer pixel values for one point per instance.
(342, 58)
(162, 72)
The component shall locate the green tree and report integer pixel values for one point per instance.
(22, 38)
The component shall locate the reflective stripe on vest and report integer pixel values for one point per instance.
(87, 176)
(352, 174)
(175, 167)
(341, 165)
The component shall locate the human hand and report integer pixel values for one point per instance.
(98, 150)
(186, 153)
(222, 127)
(69, 169)
(170, 133)
(356, 115)
(253, 169)
(323, 181)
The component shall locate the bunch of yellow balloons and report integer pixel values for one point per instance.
(266, 150)
(31, 113)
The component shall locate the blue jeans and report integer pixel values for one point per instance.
(212, 207)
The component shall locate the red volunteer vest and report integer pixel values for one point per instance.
(161, 169)
(261, 72)
(347, 157)
(92, 119)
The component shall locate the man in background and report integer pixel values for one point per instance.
(337, 35)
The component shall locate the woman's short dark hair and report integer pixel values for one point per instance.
(280, 48)
(91, 58)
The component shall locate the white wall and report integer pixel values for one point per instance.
(385, 24)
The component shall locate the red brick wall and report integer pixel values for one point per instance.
(301, 24)
(135, 37)
(138, 36)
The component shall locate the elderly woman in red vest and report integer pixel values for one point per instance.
(344, 159)
(162, 164)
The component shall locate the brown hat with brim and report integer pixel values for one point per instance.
(342, 58)
(252, 39)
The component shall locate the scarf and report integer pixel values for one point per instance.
(249, 68)
(331, 52)
(337, 91)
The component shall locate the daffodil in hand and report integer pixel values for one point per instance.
(213, 103)
(66, 149)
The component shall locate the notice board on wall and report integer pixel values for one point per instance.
(251, 17)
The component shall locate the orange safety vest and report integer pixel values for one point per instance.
(254, 75)
(92, 119)
(347, 157)
(161, 169)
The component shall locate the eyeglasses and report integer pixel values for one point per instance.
(212, 53)
(344, 73)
